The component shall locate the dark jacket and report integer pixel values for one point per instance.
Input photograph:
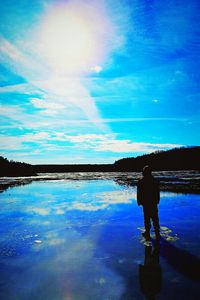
(148, 192)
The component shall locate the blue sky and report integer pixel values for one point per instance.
(95, 81)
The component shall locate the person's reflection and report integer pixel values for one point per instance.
(150, 274)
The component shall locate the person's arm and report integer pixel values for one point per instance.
(139, 196)
(157, 191)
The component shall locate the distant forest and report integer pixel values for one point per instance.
(187, 158)
(13, 168)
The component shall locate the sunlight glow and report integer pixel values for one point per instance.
(71, 39)
(96, 69)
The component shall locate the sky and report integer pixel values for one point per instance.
(93, 81)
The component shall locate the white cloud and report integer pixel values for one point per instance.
(23, 88)
(120, 146)
(23, 64)
(58, 93)
(71, 91)
(95, 142)
(110, 142)
(10, 142)
(49, 107)
(56, 115)
(31, 137)
(89, 138)
(15, 113)
(9, 50)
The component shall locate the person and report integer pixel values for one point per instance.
(148, 195)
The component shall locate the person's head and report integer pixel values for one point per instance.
(146, 171)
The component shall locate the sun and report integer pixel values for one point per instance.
(69, 42)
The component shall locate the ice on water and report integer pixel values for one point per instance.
(80, 239)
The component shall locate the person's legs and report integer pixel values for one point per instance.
(147, 223)
(155, 220)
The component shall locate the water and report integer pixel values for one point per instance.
(81, 240)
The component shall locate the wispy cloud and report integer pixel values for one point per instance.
(23, 88)
(18, 62)
(122, 146)
(110, 142)
(95, 142)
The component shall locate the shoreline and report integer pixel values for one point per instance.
(187, 181)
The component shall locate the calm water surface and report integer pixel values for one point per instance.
(80, 239)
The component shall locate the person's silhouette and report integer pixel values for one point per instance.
(150, 273)
(148, 195)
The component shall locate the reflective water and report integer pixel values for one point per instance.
(81, 239)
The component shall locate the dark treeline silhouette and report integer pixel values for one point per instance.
(175, 159)
(74, 168)
(13, 168)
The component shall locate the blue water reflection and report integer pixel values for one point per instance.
(80, 240)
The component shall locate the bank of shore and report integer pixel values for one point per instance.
(172, 181)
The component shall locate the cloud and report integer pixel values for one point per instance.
(10, 142)
(23, 88)
(71, 91)
(95, 142)
(61, 92)
(22, 119)
(82, 138)
(14, 58)
(122, 146)
(48, 107)
(11, 52)
(110, 143)
(17, 113)
(66, 97)
(20, 142)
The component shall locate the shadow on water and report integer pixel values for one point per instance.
(148, 278)
(150, 273)
(181, 260)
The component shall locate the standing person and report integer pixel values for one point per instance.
(148, 195)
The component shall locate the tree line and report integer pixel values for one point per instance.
(186, 158)
(14, 168)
